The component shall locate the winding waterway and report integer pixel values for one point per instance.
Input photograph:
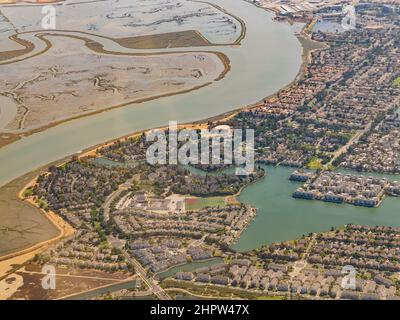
(281, 217)
(268, 59)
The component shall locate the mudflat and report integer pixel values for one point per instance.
(21, 224)
(5, 55)
(47, 91)
(189, 38)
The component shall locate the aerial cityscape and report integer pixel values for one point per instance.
(200, 150)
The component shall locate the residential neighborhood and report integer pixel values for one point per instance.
(312, 267)
(316, 217)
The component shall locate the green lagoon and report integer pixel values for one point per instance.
(281, 217)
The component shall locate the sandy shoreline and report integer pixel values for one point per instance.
(19, 257)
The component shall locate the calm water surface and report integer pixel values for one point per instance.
(281, 217)
(268, 59)
(188, 267)
(97, 292)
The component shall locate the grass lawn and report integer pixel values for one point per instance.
(42, 203)
(28, 192)
(200, 203)
(315, 164)
(397, 82)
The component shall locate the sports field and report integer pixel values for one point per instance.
(200, 203)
